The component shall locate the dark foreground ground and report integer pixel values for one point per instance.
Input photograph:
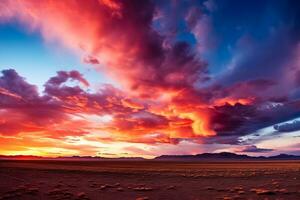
(120, 180)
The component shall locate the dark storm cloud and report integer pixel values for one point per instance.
(288, 127)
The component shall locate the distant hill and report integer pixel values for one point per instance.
(285, 157)
(223, 156)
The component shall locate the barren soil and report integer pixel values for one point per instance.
(118, 180)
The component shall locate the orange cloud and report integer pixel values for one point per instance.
(233, 101)
(134, 105)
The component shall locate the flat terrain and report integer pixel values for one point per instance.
(118, 180)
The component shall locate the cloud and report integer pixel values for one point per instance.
(21, 106)
(168, 94)
(288, 127)
(15, 86)
(62, 107)
(163, 70)
(63, 76)
(91, 60)
(141, 46)
(10, 94)
(254, 149)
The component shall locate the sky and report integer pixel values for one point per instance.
(131, 78)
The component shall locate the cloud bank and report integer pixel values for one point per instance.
(168, 93)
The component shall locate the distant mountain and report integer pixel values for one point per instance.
(98, 158)
(285, 157)
(223, 156)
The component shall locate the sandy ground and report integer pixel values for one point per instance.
(30, 180)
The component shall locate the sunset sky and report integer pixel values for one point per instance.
(144, 78)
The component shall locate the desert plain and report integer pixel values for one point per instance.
(143, 180)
